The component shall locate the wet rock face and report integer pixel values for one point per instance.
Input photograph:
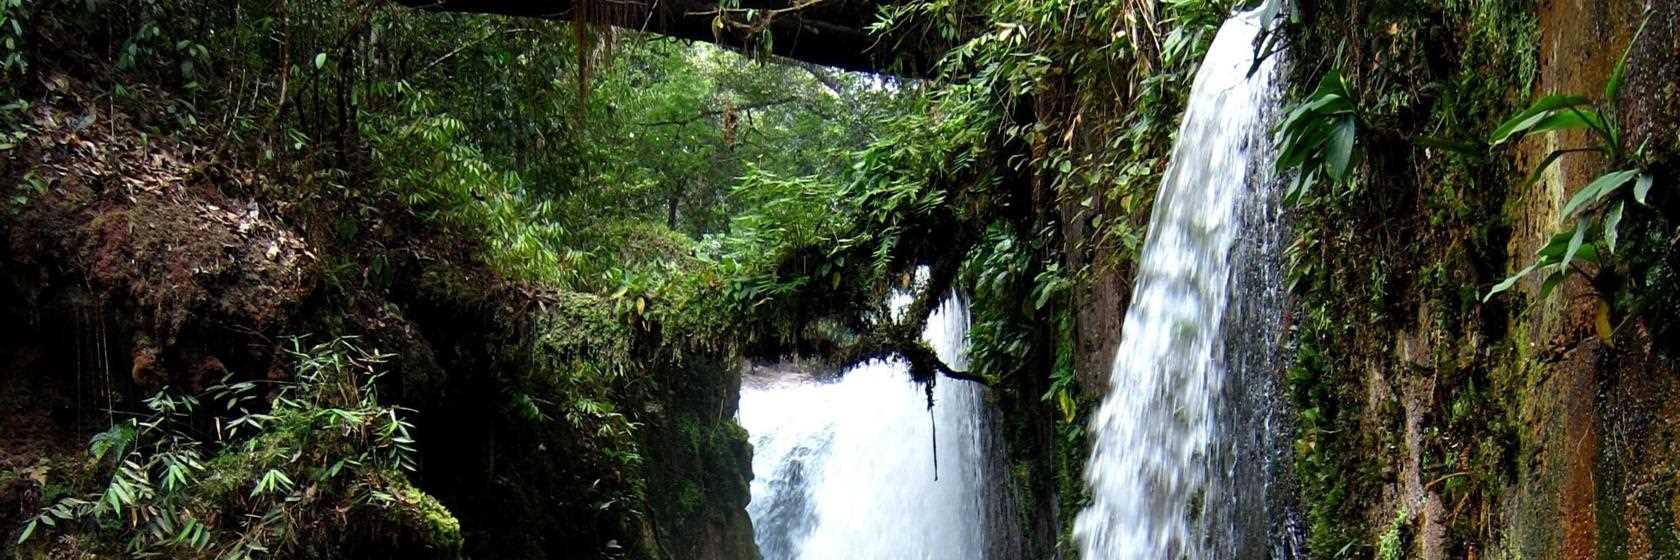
(1651, 96)
(1588, 490)
(789, 517)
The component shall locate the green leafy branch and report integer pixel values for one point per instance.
(1317, 136)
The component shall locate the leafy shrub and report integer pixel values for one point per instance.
(216, 476)
(1316, 137)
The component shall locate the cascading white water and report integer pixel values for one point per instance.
(1171, 469)
(845, 469)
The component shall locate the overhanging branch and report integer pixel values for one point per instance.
(902, 338)
(924, 363)
(832, 33)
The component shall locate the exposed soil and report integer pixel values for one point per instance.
(202, 273)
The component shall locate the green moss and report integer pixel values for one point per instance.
(690, 430)
(1327, 465)
(427, 517)
(1393, 544)
(1419, 69)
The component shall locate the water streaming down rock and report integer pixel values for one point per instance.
(1190, 454)
(845, 469)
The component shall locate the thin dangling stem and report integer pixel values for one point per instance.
(81, 334)
(103, 346)
(933, 431)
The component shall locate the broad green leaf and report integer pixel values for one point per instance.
(111, 497)
(1535, 114)
(1642, 187)
(320, 60)
(1332, 84)
(1297, 150)
(1303, 184)
(1341, 149)
(1553, 250)
(1551, 282)
(1508, 282)
(1570, 119)
(1612, 219)
(1595, 191)
(1575, 244)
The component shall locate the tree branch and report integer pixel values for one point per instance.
(923, 361)
(829, 33)
(715, 112)
(902, 338)
(822, 74)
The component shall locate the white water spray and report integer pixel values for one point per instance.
(845, 470)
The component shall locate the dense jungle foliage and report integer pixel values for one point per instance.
(539, 179)
(351, 278)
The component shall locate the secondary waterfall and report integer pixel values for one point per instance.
(1191, 441)
(845, 469)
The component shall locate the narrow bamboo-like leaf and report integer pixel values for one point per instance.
(1612, 219)
(27, 531)
(1595, 191)
(1614, 86)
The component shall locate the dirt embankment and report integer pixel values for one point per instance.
(133, 259)
(128, 264)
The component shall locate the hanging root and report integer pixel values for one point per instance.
(933, 428)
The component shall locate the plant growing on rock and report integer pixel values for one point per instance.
(1597, 208)
(1315, 141)
(1317, 136)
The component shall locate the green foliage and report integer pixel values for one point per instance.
(14, 16)
(209, 478)
(1597, 208)
(1316, 137)
(1000, 272)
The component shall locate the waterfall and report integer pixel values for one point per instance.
(845, 469)
(1189, 451)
